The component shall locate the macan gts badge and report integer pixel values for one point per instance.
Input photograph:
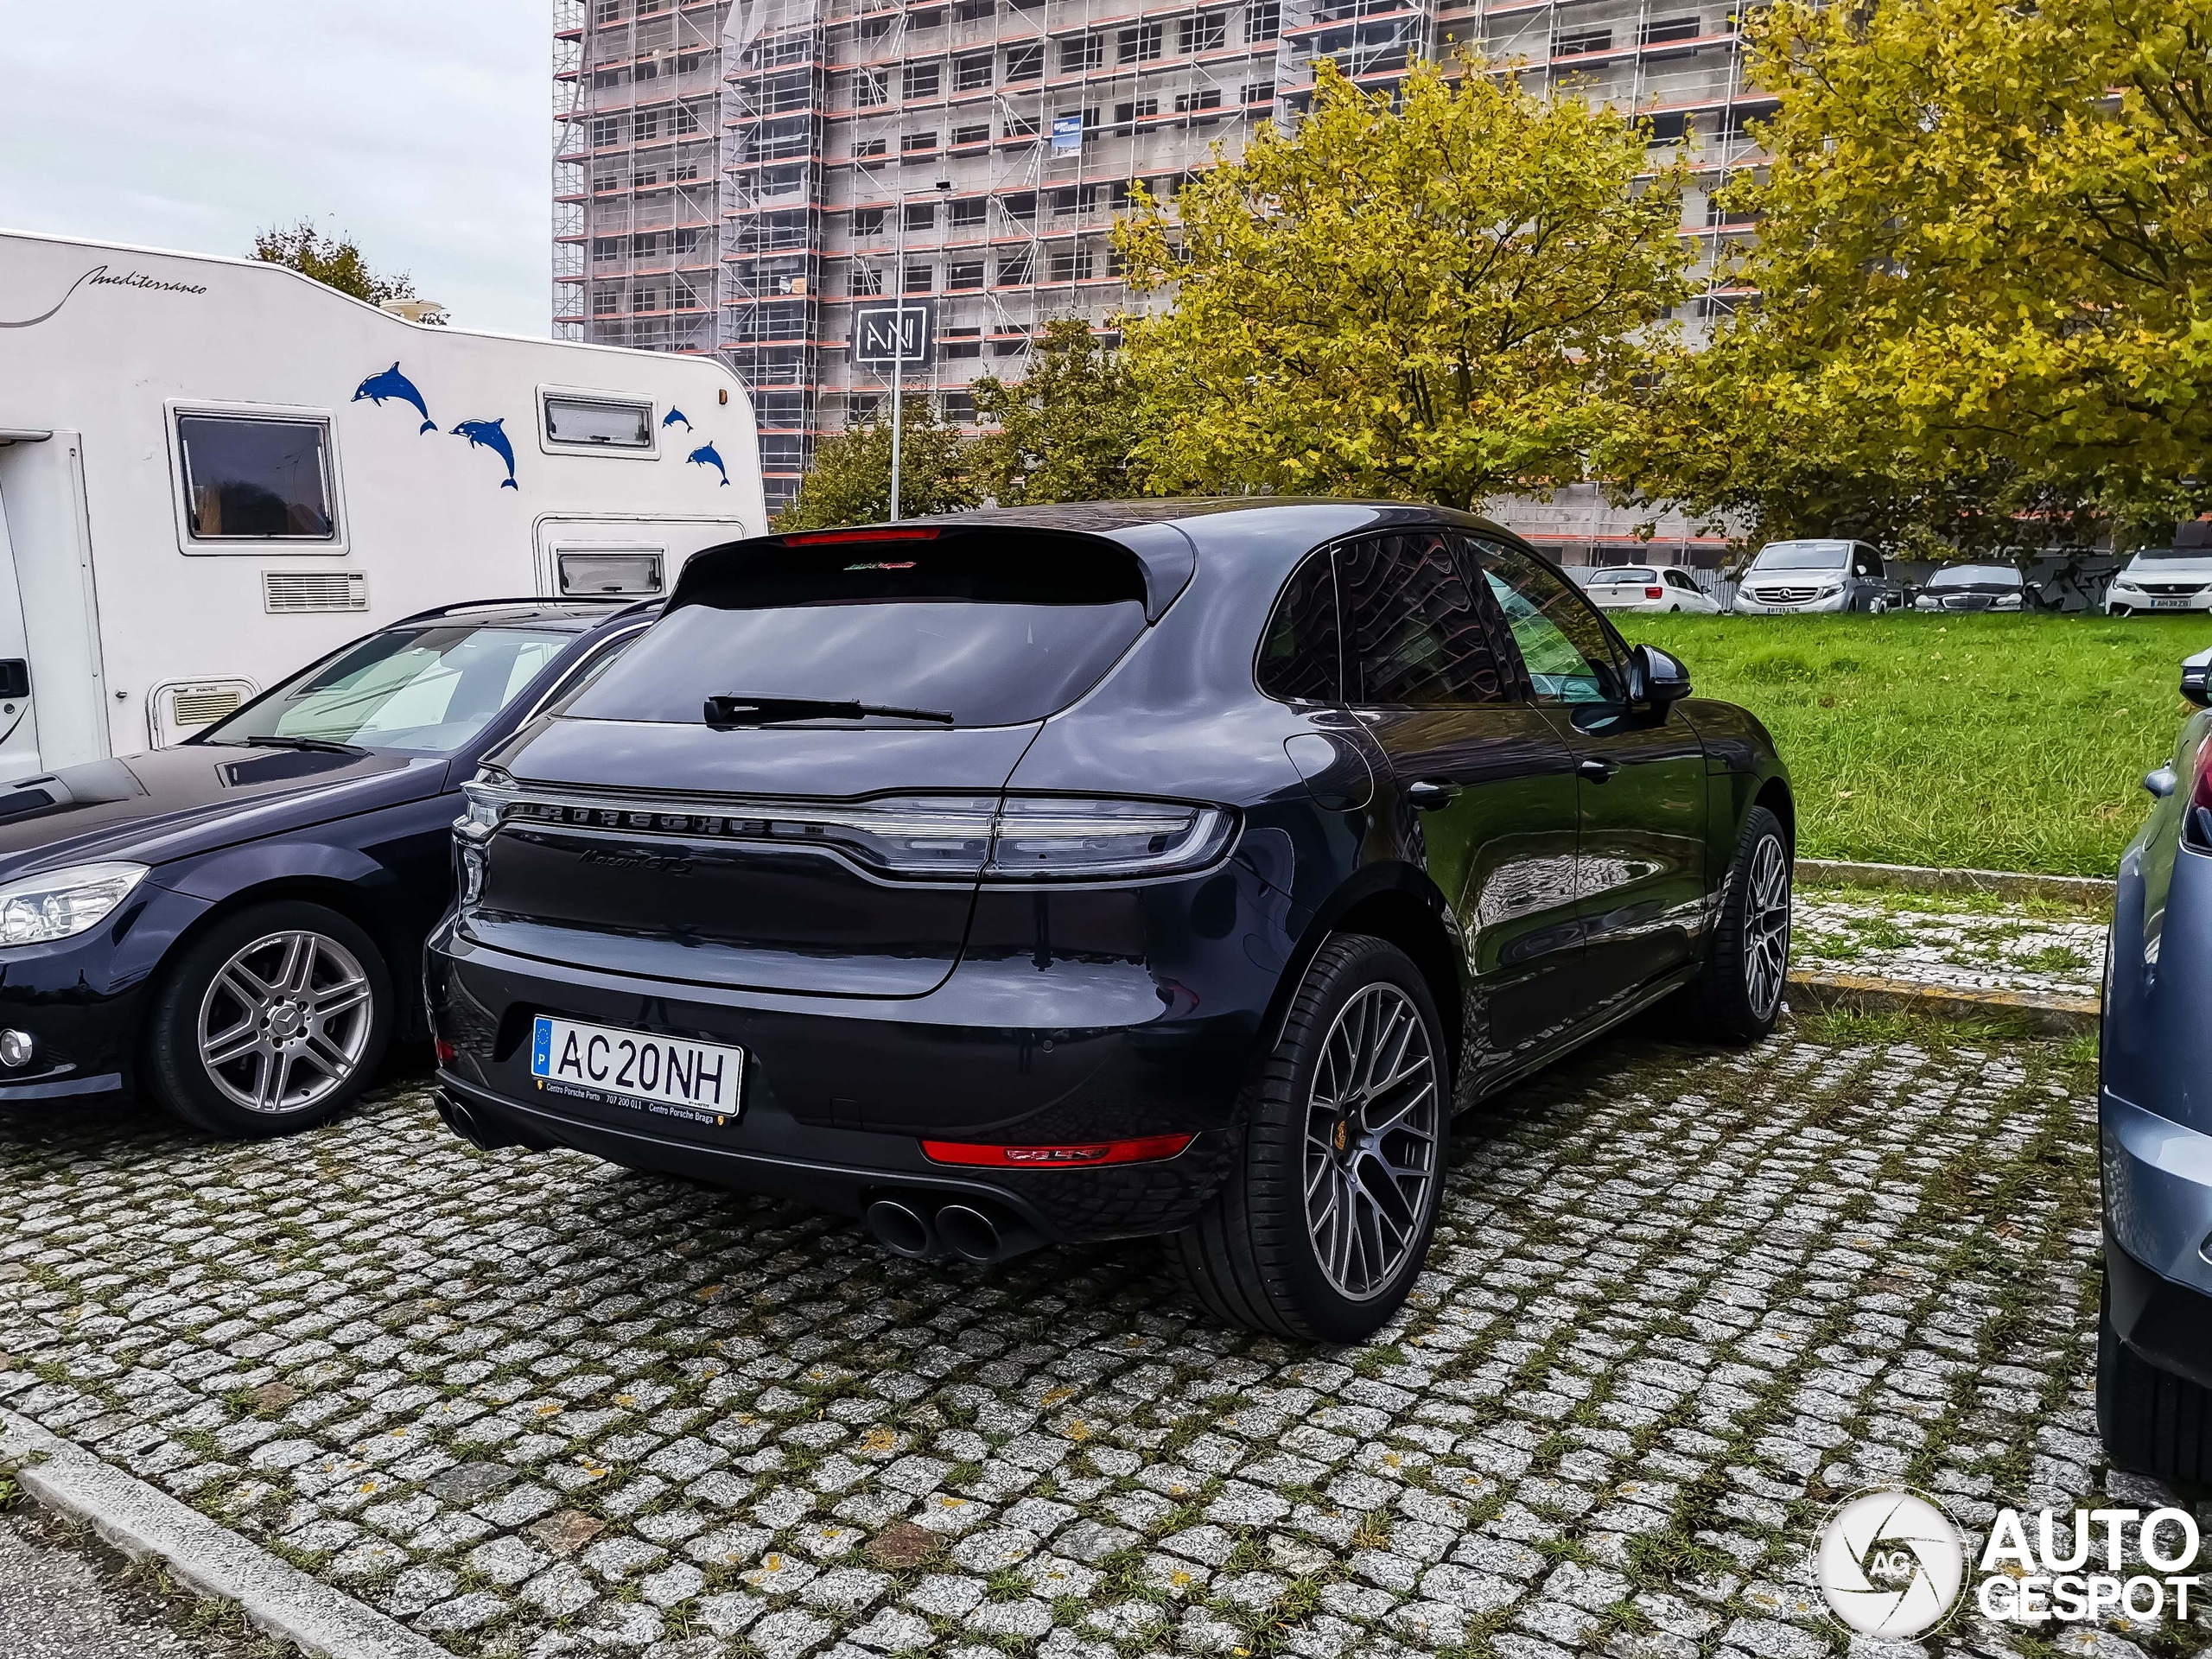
(1104, 871)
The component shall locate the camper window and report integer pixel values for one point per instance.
(247, 478)
(598, 423)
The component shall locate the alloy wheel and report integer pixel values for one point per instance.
(1766, 927)
(285, 1021)
(1372, 1127)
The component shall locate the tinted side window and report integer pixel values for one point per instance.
(1413, 631)
(1300, 656)
(249, 478)
(1569, 656)
(1868, 563)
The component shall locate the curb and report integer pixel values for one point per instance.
(2095, 890)
(2056, 1016)
(147, 1524)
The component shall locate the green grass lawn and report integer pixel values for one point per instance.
(1996, 742)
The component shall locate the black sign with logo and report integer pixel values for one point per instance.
(895, 333)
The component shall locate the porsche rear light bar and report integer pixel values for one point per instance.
(1145, 1149)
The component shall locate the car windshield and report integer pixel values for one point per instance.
(426, 689)
(1802, 556)
(2204, 554)
(1973, 576)
(988, 628)
(1630, 574)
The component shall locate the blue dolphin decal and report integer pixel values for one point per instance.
(673, 416)
(704, 456)
(392, 384)
(492, 436)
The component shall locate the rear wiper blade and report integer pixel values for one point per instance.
(320, 744)
(769, 711)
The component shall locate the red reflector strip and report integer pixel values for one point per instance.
(446, 1051)
(1145, 1149)
(888, 533)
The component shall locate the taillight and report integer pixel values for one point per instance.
(1144, 1149)
(1655, 593)
(1024, 838)
(1053, 838)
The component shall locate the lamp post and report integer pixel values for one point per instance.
(899, 346)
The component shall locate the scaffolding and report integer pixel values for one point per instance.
(637, 173)
(976, 152)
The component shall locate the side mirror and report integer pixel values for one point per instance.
(1656, 676)
(2197, 679)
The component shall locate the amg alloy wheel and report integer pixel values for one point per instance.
(284, 1022)
(1739, 995)
(1325, 1227)
(272, 1020)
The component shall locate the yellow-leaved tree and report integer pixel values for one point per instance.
(1985, 258)
(1441, 296)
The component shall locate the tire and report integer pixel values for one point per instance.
(307, 1001)
(1252, 1258)
(2151, 1421)
(1738, 997)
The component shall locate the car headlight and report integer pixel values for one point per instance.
(2010, 602)
(2124, 582)
(58, 904)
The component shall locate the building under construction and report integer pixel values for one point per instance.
(745, 178)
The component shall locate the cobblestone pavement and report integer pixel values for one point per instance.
(55, 1604)
(1681, 1301)
(1971, 943)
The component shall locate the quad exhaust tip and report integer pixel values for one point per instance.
(962, 1232)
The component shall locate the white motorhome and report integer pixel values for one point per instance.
(212, 471)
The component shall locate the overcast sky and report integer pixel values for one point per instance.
(423, 129)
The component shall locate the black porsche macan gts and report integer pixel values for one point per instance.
(1088, 871)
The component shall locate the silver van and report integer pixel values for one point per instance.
(1816, 575)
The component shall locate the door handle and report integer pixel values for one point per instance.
(1595, 767)
(1428, 793)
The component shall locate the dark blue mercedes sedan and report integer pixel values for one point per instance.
(237, 923)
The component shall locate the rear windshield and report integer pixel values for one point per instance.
(1623, 573)
(990, 630)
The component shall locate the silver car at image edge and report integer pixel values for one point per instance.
(2154, 1103)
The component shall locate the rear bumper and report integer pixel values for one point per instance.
(1038, 1049)
(844, 1171)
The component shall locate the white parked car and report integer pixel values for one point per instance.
(1817, 576)
(2163, 578)
(1648, 587)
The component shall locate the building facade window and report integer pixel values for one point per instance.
(1143, 43)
